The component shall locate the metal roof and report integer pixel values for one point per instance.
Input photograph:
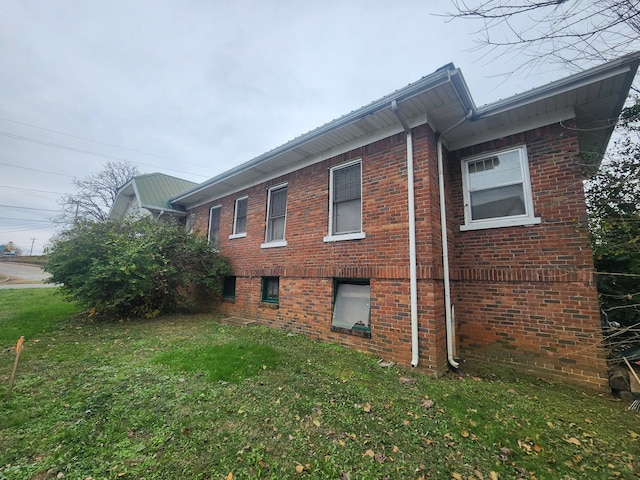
(594, 98)
(151, 192)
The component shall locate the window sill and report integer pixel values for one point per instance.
(352, 331)
(271, 305)
(274, 244)
(346, 236)
(229, 299)
(499, 223)
(237, 235)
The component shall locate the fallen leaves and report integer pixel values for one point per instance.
(573, 441)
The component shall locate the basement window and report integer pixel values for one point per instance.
(271, 290)
(352, 307)
(497, 190)
(229, 287)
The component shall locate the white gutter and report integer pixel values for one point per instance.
(448, 309)
(413, 272)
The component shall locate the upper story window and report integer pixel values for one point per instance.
(214, 226)
(276, 217)
(190, 223)
(497, 190)
(240, 218)
(345, 202)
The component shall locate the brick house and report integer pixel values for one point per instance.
(426, 230)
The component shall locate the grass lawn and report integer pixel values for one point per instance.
(186, 397)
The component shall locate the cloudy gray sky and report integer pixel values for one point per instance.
(191, 88)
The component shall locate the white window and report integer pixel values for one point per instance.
(345, 202)
(240, 218)
(214, 226)
(190, 223)
(276, 217)
(352, 305)
(497, 190)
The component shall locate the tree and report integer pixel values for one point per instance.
(132, 268)
(571, 32)
(613, 202)
(96, 193)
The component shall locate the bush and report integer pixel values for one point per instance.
(132, 268)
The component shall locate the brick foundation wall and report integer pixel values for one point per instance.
(525, 296)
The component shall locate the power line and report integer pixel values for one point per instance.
(88, 152)
(83, 138)
(35, 170)
(32, 190)
(27, 220)
(31, 208)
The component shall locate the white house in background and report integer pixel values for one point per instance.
(149, 194)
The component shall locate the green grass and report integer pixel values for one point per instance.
(189, 397)
(30, 312)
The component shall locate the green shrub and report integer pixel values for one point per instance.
(132, 268)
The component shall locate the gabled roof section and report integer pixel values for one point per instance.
(594, 98)
(150, 192)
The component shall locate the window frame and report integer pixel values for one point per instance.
(331, 235)
(528, 218)
(279, 242)
(265, 298)
(364, 332)
(225, 286)
(190, 223)
(219, 208)
(235, 233)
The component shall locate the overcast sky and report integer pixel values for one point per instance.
(193, 88)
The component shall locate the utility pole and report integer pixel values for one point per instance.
(32, 240)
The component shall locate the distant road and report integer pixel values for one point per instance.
(22, 275)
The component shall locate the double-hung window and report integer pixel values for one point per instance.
(345, 202)
(214, 227)
(240, 218)
(276, 217)
(497, 190)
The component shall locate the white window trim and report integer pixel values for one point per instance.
(344, 236)
(235, 218)
(275, 243)
(511, 221)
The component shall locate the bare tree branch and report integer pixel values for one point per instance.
(95, 194)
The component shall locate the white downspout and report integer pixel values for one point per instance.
(448, 309)
(413, 275)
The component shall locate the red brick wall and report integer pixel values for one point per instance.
(525, 296)
(307, 265)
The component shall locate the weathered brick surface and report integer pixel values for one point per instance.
(525, 295)
(307, 265)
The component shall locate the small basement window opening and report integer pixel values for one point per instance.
(229, 287)
(270, 289)
(352, 307)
